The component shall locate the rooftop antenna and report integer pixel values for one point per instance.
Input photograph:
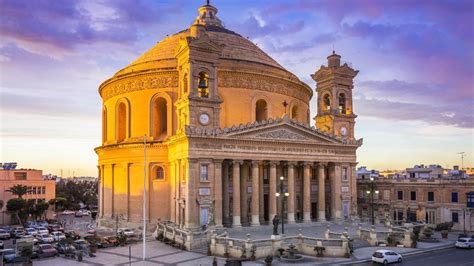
(462, 159)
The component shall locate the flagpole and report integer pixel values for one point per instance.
(144, 197)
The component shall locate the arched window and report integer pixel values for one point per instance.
(159, 173)
(342, 103)
(326, 102)
(261, 110)
(121, 122)
(203, 85)
(294, 112)
(159, 118)
(185, 84)
(104, 124)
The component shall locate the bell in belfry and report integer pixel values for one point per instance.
(202, 81)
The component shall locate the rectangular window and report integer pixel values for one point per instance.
(204, 172)
(30, 190)
(400, 195)
(204, 191)
(43, 190)
(314, 173)
(454, 197)
(344, 174)
(412, 195)
(34, 190)
(20, 175)
(204, 216)
(455, 217)
(430, 196)
(386, 194)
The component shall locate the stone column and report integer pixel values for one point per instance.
(173, 184)
(353, 178)
(272, 199)
(191, 211)
(225, 192)
(307, 192)
(243, 194)
(337, 207)
(332, 180)
(218, 192)
(321, 193)
(178, 169)
(255, 195)
(261, 192)
(292, 191)
(236, 193)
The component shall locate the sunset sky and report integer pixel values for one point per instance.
(414, 94)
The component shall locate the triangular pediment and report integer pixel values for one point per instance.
(280, 129)
(282, 132)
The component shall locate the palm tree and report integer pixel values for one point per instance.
(19, 190)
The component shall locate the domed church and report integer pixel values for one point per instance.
(225, 127)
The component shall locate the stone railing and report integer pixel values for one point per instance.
(378, 237)
(189, 240)
(223, 245)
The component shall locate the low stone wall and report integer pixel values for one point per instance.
(378, 237)
(188, 239)
(224, 246)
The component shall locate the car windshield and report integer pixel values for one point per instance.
(46, 247)
(462, 240)
(8, 252)
(378, 255)
(44, 235)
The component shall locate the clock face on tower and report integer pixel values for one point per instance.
(343, 131)
(204, 119)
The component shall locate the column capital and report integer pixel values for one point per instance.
(254, 162)
(217, 161)
(353, 164)
(240, 162)
(273, 163)
(322, 164)
(292, 164)
(306, 164)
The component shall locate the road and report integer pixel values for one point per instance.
(445, 257)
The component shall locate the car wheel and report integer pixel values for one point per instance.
(399, 260)
(385, 262)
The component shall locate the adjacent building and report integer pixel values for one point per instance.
(428, 194)
(39, 189)
(221, 122)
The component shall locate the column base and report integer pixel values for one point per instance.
(291, 218)
(307, 217)
(255, 220)
(321, 216)
(236, 221)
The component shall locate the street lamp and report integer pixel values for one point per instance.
(285, 194)
(371, 191)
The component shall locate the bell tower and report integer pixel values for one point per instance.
(198, 56)
(334, 89)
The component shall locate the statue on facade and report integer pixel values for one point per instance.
(211, 214)
(275, 223)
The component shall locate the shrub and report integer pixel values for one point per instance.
(444, 226)
(391, 240)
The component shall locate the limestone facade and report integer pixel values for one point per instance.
(222, 123)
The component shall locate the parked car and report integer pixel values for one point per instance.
(4, 234)
(18, 233)
(9, 256)
(126, 231)
(386, 256)
(45, 238)
(465, 242)
(64, 247)
(55, 227)
(112, 240)
(1, 244)
(97, 241)
(34, 239)
(31, 231)
(42, 230)
(58, 235)
(68, 212)
(92, 232)
(72, 234)
(46, 250)
(78, 214)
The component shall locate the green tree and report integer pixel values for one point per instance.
(40, 208)
(19, 190)
(15, 206)
(1, 204)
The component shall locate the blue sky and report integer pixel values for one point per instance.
(414, 94)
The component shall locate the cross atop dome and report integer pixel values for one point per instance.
(207, 16)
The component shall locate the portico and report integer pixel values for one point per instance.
(318, 170)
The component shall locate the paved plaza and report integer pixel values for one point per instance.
(159, 253)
